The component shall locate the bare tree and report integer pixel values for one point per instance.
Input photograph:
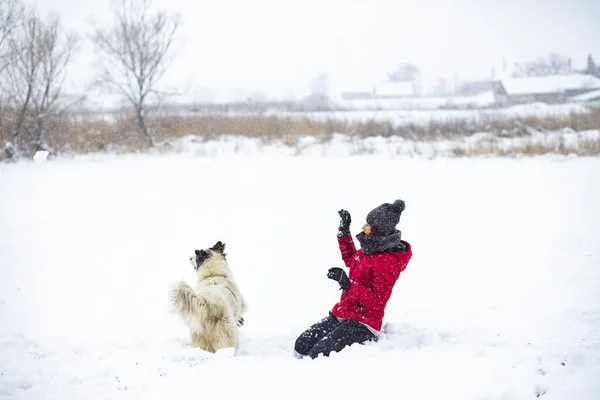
(319, 85)
(442, 87)
(318, 99)
(135, 54)
(11, 12)
(35, 77)
(405, 73)
(552, 64)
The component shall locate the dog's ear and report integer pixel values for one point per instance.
(197, 252)
(219, 247)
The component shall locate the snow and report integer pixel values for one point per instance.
(482, 100)
(339, 145)
(500, 300)
(40, 156)
(549, 84)
(427, 116)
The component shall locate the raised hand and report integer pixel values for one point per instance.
(345, 220)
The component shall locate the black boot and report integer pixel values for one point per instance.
(316, 332)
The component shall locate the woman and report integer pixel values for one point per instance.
(374, 269)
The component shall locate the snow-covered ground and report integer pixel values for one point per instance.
(484, 99)
(426, 116)
(410, 114)
(565, 141)
(500, 301)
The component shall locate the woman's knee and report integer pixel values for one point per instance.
(303, 344)
(314, 334)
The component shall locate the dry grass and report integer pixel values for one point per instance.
(582, 147)
(577, 122)
(85, 134)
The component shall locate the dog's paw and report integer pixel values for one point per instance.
(240, 321)
(177, 289)
(181, 285)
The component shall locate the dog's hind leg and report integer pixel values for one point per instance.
(199, 340)
(226, 334)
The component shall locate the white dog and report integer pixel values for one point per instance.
(214, 310)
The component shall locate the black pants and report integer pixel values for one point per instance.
(329, 335)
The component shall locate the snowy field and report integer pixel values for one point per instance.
(501, 299)
(390, 148)
(424, 116)
(410, 114)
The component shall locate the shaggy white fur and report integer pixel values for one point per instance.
(214, 309)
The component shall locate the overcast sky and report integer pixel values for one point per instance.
(233, 48)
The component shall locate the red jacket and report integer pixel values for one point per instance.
(373, 277)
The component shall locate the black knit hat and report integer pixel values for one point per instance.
(383, 219)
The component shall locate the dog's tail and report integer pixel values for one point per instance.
(195, 308)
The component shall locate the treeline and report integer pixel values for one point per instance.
(36, 53)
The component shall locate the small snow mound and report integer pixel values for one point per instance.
(226, 352)
(40, 156)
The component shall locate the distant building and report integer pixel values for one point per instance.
(590, 99)
(547, 89)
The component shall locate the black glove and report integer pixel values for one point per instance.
(339, 275)
(345, 221)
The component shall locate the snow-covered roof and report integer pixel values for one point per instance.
(549, 84)
(593, 95)
(394, 89)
